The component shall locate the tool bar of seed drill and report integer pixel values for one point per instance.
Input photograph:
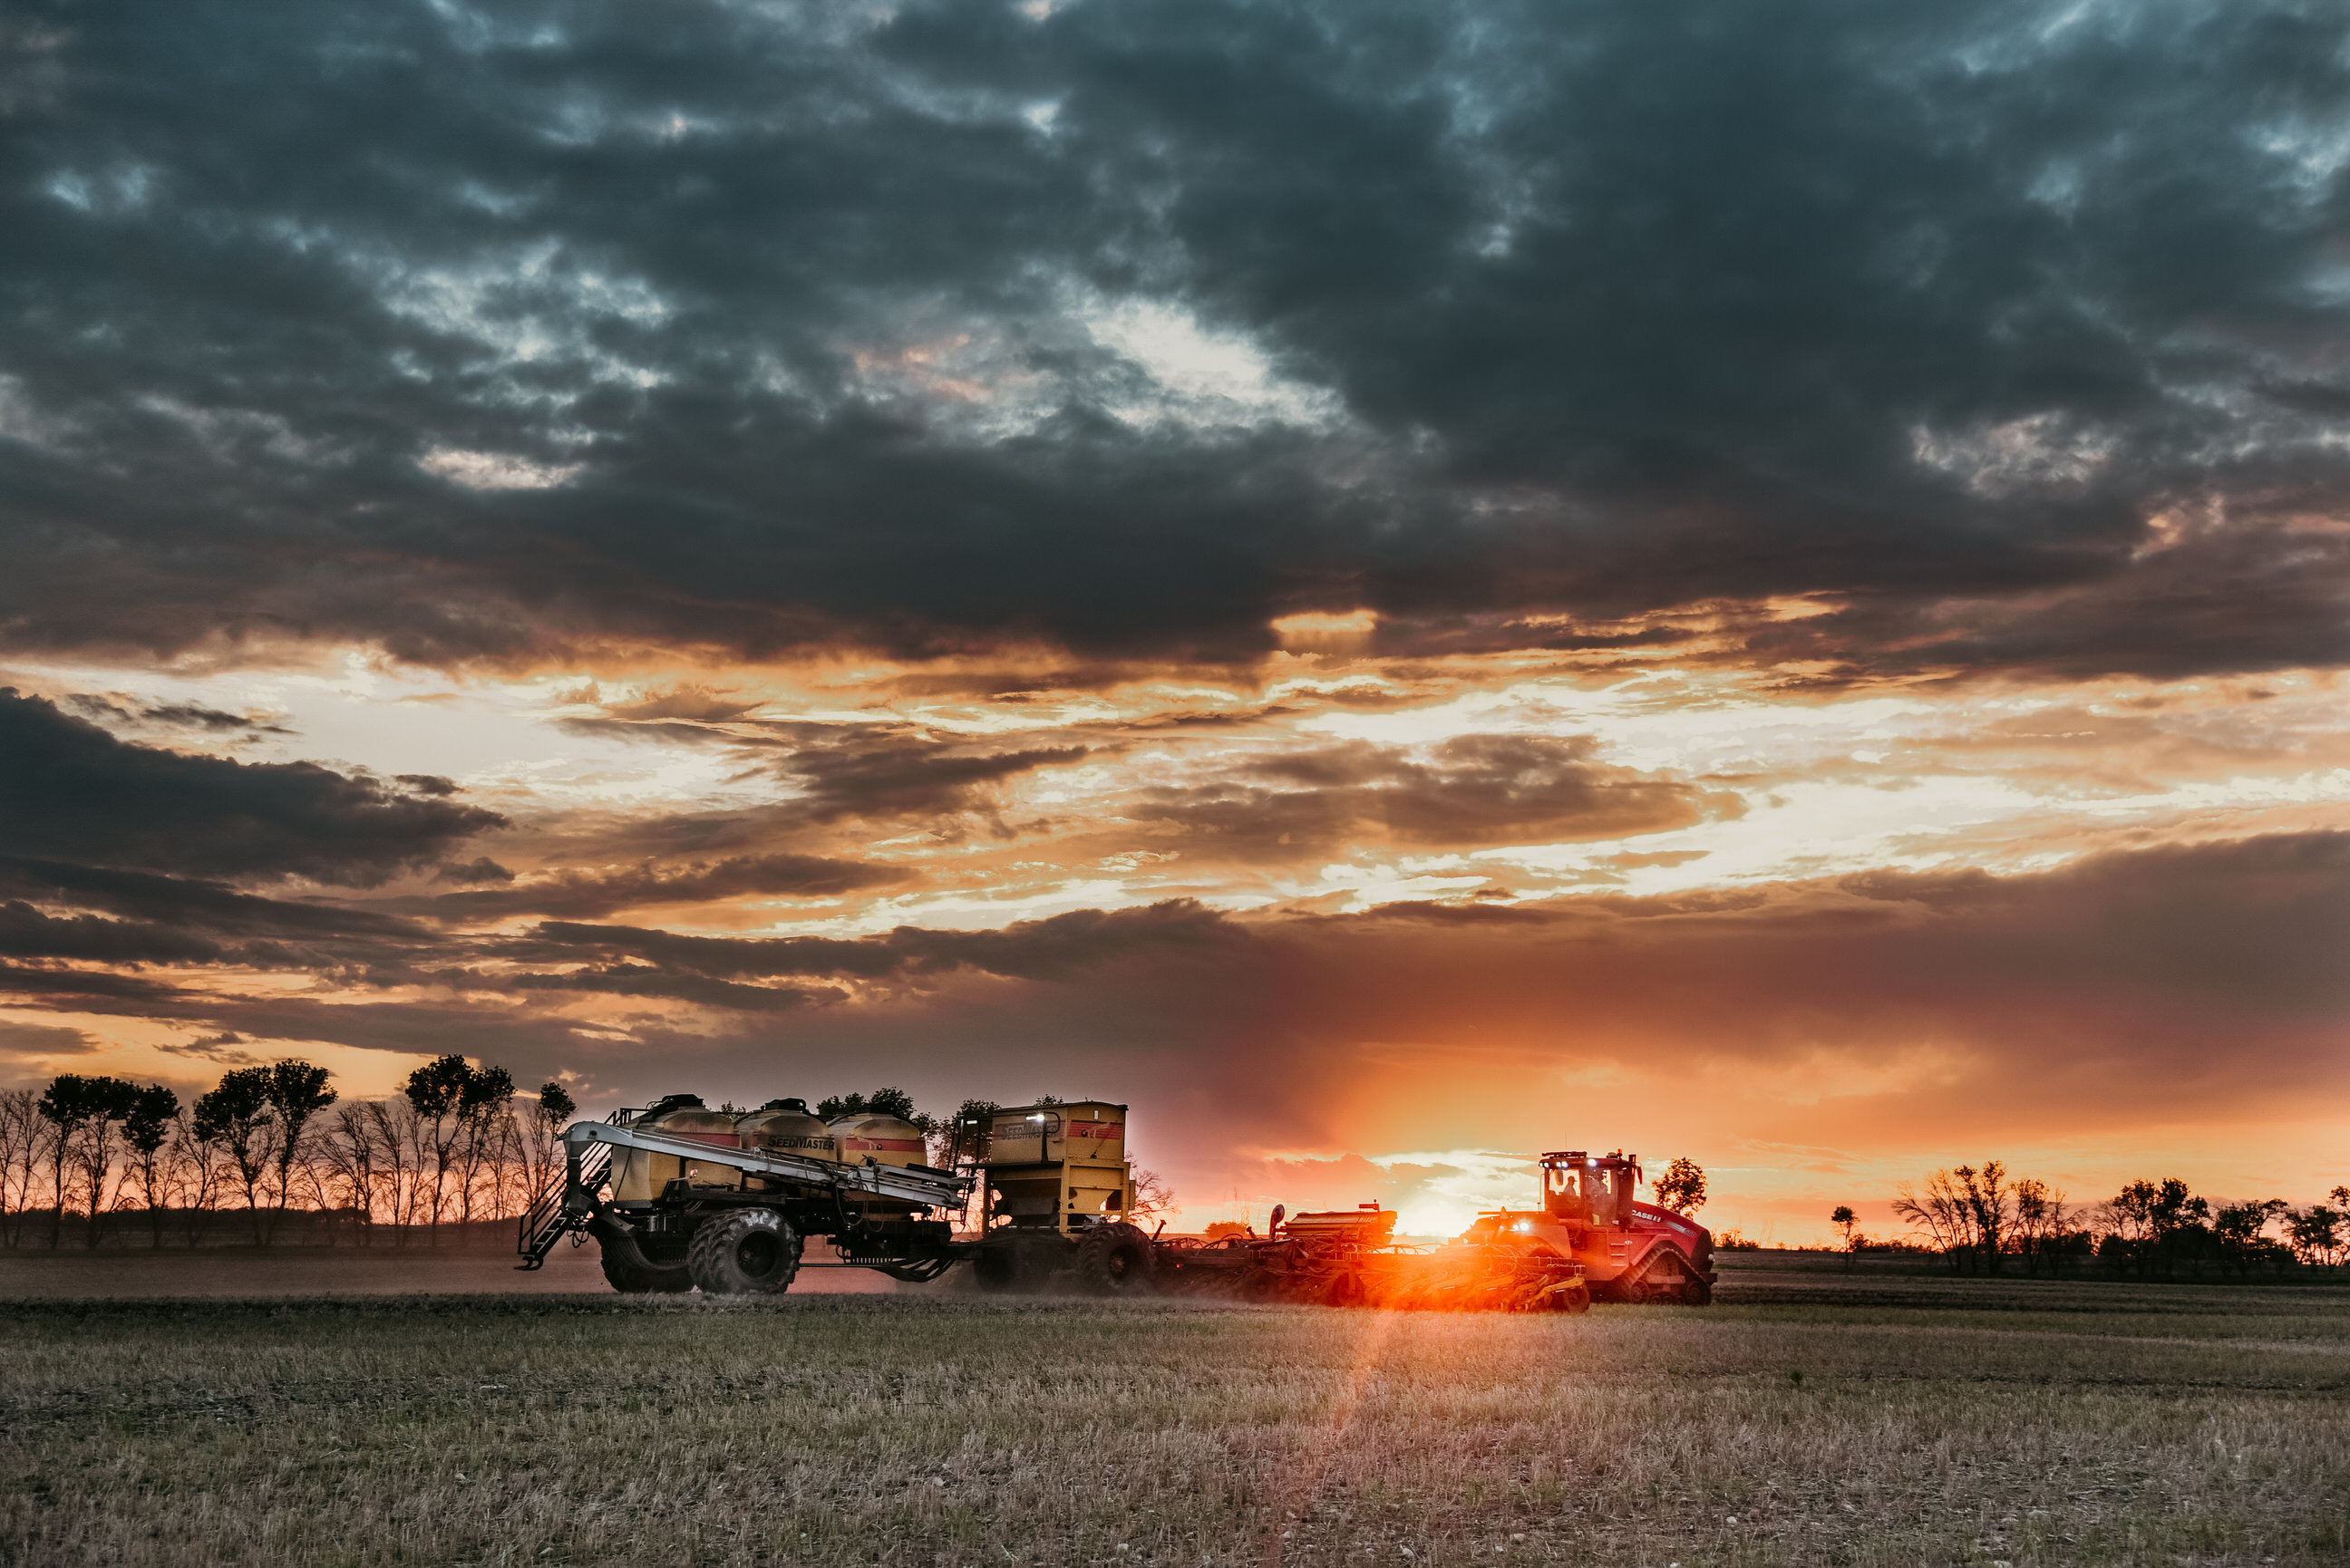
(931, 1190)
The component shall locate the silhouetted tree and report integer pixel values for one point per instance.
(82, 1110)
(1848, 1223)
(1151, 1195)
(2152, 1224)
(1987, 1209)
(549, 1114)
(145, 1130)
(2314, 1233)
(435, 1091)
(885, 1102)
(194, 1173)
(2237, 1228)
(482, 1108)
(1681, 1189)
(2041, 1224)
(297, 1091)
(1938, 1210)
(24, 1145)
(236, 1115)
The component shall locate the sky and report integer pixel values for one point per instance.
(1394, 585)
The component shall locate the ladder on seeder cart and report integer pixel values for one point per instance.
(545, 1221)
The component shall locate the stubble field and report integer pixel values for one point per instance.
(1818, 1421)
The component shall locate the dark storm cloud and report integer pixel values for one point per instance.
(207, 907)
(141, 918)
(600, 893)
(844, 772)
(180, 715)
(70, 792)
(27, 932)
(632, 980)
(484, 333)
(83, 990)
(1469, 790)
(900, 774)
(40, 1040)
(1050, 949)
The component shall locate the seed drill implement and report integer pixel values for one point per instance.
(679, 1197)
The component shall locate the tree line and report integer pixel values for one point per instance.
(269, 1140)
(1980, 1219)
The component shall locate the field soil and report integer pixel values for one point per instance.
(1805, 1421)
(260, 1274)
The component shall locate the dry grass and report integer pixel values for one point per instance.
(2180, 1428)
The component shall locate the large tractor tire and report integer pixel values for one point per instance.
(1115, 1260)
(745, 1253)
(661, 1279)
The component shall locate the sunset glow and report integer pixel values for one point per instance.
(965, 579)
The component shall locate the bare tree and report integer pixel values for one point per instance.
(346, 1157)
(543, 1151)
(482, 1106)
(1151, 1195)
(24, 1145)
(196, 1173)
(2042, 1224)
(398, 1153)
(1988, 1210)
(1940, 1212)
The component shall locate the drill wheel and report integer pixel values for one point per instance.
(1115, 1260)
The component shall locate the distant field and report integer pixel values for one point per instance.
(1824, 1421)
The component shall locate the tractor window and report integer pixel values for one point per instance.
(1564, 1193)
(1619, 1196)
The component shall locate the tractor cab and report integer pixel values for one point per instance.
(1581, 1192)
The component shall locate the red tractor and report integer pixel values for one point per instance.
(1629, 1251)
(1588, 1242)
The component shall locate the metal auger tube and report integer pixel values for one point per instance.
(918, 1185)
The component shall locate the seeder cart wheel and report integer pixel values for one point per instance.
(672, 1279)
(745, 1253)
(1115, 1260)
